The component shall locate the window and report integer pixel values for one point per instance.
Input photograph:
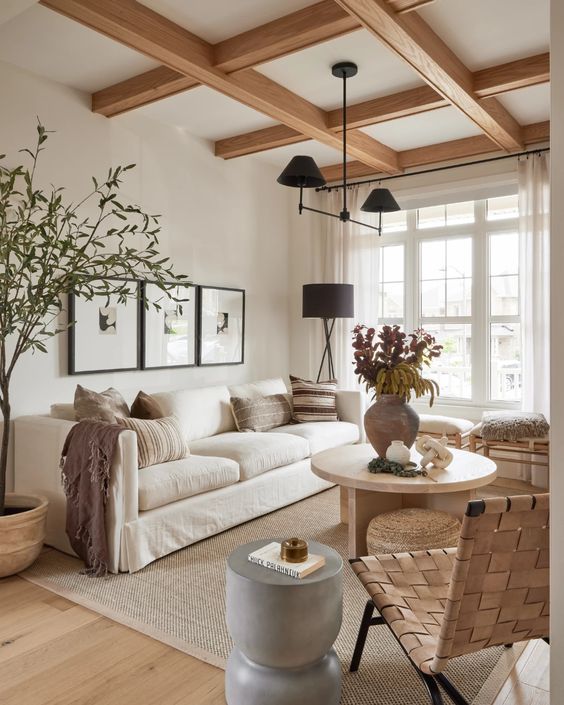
(454, 270)
(445, 287)
(391, 294)
(504, 324)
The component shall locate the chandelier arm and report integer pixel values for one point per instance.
(366, 225)
(316, 210)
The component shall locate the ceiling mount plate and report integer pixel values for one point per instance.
(344, 69)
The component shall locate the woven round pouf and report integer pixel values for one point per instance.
(411, 530)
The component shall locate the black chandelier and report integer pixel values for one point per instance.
(302, 171)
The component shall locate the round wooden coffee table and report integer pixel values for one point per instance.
(365, 494)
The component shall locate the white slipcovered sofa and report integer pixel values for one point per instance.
(228, 478)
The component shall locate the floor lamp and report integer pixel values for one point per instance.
(328, 302)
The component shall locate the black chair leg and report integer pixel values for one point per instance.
(432, 688)
(362, 634)
(452, 692)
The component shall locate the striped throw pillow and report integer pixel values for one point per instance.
(261, 413)
(158, 440)
(314, 401)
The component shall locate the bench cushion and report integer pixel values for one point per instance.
(428, 423)
(168, 482)
(255, 453)
(322, 435)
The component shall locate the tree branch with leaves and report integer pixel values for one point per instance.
(49, 248)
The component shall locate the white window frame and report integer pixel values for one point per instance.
(480, 319)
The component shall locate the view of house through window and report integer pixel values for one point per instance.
(454, 270)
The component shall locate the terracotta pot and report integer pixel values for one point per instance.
(21, 533)
(389, 419)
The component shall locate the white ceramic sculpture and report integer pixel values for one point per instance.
(433, 452)
(398, 452)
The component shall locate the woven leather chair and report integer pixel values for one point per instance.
(492, 589)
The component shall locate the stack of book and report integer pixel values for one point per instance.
(269, 557)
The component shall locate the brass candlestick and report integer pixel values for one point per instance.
(293, 550)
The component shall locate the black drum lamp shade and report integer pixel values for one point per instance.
(328, 301)
(380, 200)
(302, 172)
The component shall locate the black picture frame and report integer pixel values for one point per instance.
(194, 304)
(74, 331)
(205, 326)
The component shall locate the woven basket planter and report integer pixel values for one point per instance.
(411, 530)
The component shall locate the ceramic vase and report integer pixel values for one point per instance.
(398, 452)
(389, 419)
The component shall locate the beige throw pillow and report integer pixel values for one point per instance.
(261, 413)
(99, 406)
(158, 440)
(314, 401)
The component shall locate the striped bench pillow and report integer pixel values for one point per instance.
(314, 401)
(158, 440)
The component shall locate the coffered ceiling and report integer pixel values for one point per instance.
(466, 77)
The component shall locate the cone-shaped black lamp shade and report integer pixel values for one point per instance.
(380, 200)
(301, 171)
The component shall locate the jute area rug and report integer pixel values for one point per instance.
(180, 600)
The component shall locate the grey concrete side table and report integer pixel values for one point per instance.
(283, 629)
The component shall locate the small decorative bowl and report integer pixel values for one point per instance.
(293, 550)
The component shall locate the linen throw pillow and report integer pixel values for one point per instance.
(158, 440)
(314, 401)
(261, 413)
(146, 407)
(99, 406)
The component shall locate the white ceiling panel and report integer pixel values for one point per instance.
(281, 155)
(440, 125)
(308, 72)
(487, 32)
(216, 20)
(528, 105)
(50, 45)
(206, 113)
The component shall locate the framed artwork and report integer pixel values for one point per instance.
(170, 332)
(222, 326)
(106, 334)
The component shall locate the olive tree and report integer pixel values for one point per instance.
(50, 247)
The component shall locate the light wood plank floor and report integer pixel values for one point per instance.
(59, 653)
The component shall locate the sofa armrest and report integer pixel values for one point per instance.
(38, 441)
(350, 407)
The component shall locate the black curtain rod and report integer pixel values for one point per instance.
(435, 169)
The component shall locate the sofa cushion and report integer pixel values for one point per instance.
(314, 401)
(262, 388)
(158, 440)
(201, 412)
(262, 413)
(168, 482)
(254, 452)
(322, 435)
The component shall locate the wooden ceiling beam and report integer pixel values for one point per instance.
(298, 30)
(133, 24)
(442, 152)
(491, 81)
(413, 40)
(513, 75)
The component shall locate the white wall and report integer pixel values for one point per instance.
(557, 346)
(224, 223)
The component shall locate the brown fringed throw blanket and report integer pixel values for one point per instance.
(86, 460)
(508, 426)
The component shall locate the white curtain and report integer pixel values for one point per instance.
(534, 210)
(348, 254)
